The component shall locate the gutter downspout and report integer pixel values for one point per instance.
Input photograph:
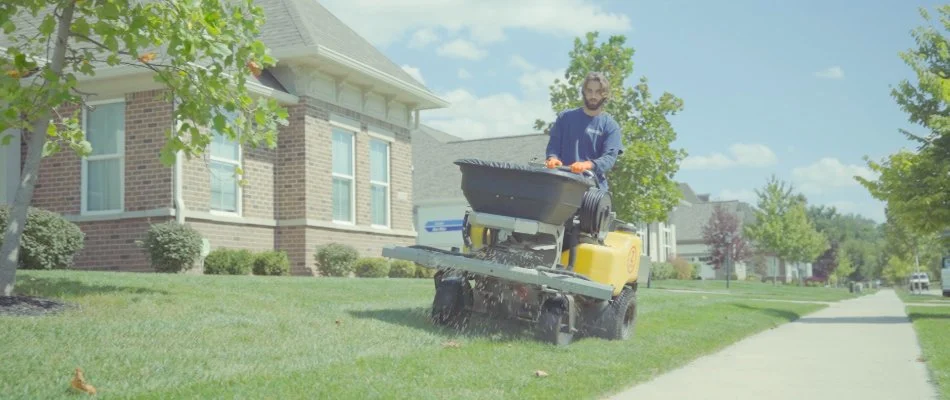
(177, 188)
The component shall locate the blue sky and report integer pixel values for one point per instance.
(799, 89)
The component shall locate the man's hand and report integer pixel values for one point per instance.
(553, 162)
(581, 166)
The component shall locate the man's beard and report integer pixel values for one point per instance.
(594, 106)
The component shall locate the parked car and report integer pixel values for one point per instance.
(920, 280)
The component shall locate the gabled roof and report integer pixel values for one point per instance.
(290, 25)
(690, 220)
(436, 177)
(303, 23)
(689, 195)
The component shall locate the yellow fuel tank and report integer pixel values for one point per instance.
(615, 263)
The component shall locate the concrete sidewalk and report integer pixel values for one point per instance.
(863, 348)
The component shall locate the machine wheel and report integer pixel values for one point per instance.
(946, 293)
(551, 325)
(619, 319)
(452, 302)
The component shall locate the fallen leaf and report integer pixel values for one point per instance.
(921, 359)
(338, 322)
(254, 67)
(451, 343)
(79, 383)
(147, 57)
(540, 373)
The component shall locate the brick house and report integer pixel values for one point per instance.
(341, 171)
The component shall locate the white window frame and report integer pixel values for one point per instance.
(120, 155)
(389, 179)
(239, 192)
(351, 128)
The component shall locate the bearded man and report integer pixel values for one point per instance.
(587, 138)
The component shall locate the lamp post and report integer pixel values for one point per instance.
(728, 260)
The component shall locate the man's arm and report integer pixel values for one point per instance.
(613, 148)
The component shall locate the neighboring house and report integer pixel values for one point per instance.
(439, 204)
(341, 171)
(690, 222)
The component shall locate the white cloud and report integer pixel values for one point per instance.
(828, 173)
(461, 48)
(831, 73)
(742, 155)
(743, 195)
(385, 21)
(499, 114)
(415, 73)
(521, 63)
(422, 38)
(464, 74)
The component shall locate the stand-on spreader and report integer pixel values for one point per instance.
(540, 245)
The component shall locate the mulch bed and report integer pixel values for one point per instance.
(30, 306)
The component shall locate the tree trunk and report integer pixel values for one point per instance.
(10, 251)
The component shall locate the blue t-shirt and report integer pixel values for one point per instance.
(577, 136)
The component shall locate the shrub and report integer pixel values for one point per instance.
(402, 269)
(425, 272)
(682, 269)
(271, 263)
(229, 262)
(662, 270)
(372, 267)
(49, 241)
(336, 259)
(172, 247)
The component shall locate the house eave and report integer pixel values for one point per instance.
(422, 99)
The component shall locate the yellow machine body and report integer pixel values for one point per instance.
(615, 263)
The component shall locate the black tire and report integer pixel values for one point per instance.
(946, 293)
(618, 321)
(452, 302)
(552, 327)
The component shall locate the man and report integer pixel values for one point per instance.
(587, 138)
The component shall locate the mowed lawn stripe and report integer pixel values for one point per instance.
(155, 336)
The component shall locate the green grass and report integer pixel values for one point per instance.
(180, 336)
(932, 325)
(750, 289)
(933, 298)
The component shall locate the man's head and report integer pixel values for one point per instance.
(595, 91)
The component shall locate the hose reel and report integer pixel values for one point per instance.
(595, 212)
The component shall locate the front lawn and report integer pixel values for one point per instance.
(932, 325)
(760, 289)
(934, 297)
(176, 336)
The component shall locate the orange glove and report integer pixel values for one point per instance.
(581, 166)
(553, 162)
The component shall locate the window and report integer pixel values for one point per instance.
(225, 157)
(343, 176)
(103, 170)
(379, 181)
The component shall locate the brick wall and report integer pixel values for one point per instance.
(291, 183)
(110, 245)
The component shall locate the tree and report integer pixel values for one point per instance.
(862, 236)
(782, 226)
(202, 52)
(916, 184)
(642, 185)
(721, 233)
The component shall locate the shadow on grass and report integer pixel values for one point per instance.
(928, 315)
(783, 314)
(476, 325)
(62, 287)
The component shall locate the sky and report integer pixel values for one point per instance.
(798, 89)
